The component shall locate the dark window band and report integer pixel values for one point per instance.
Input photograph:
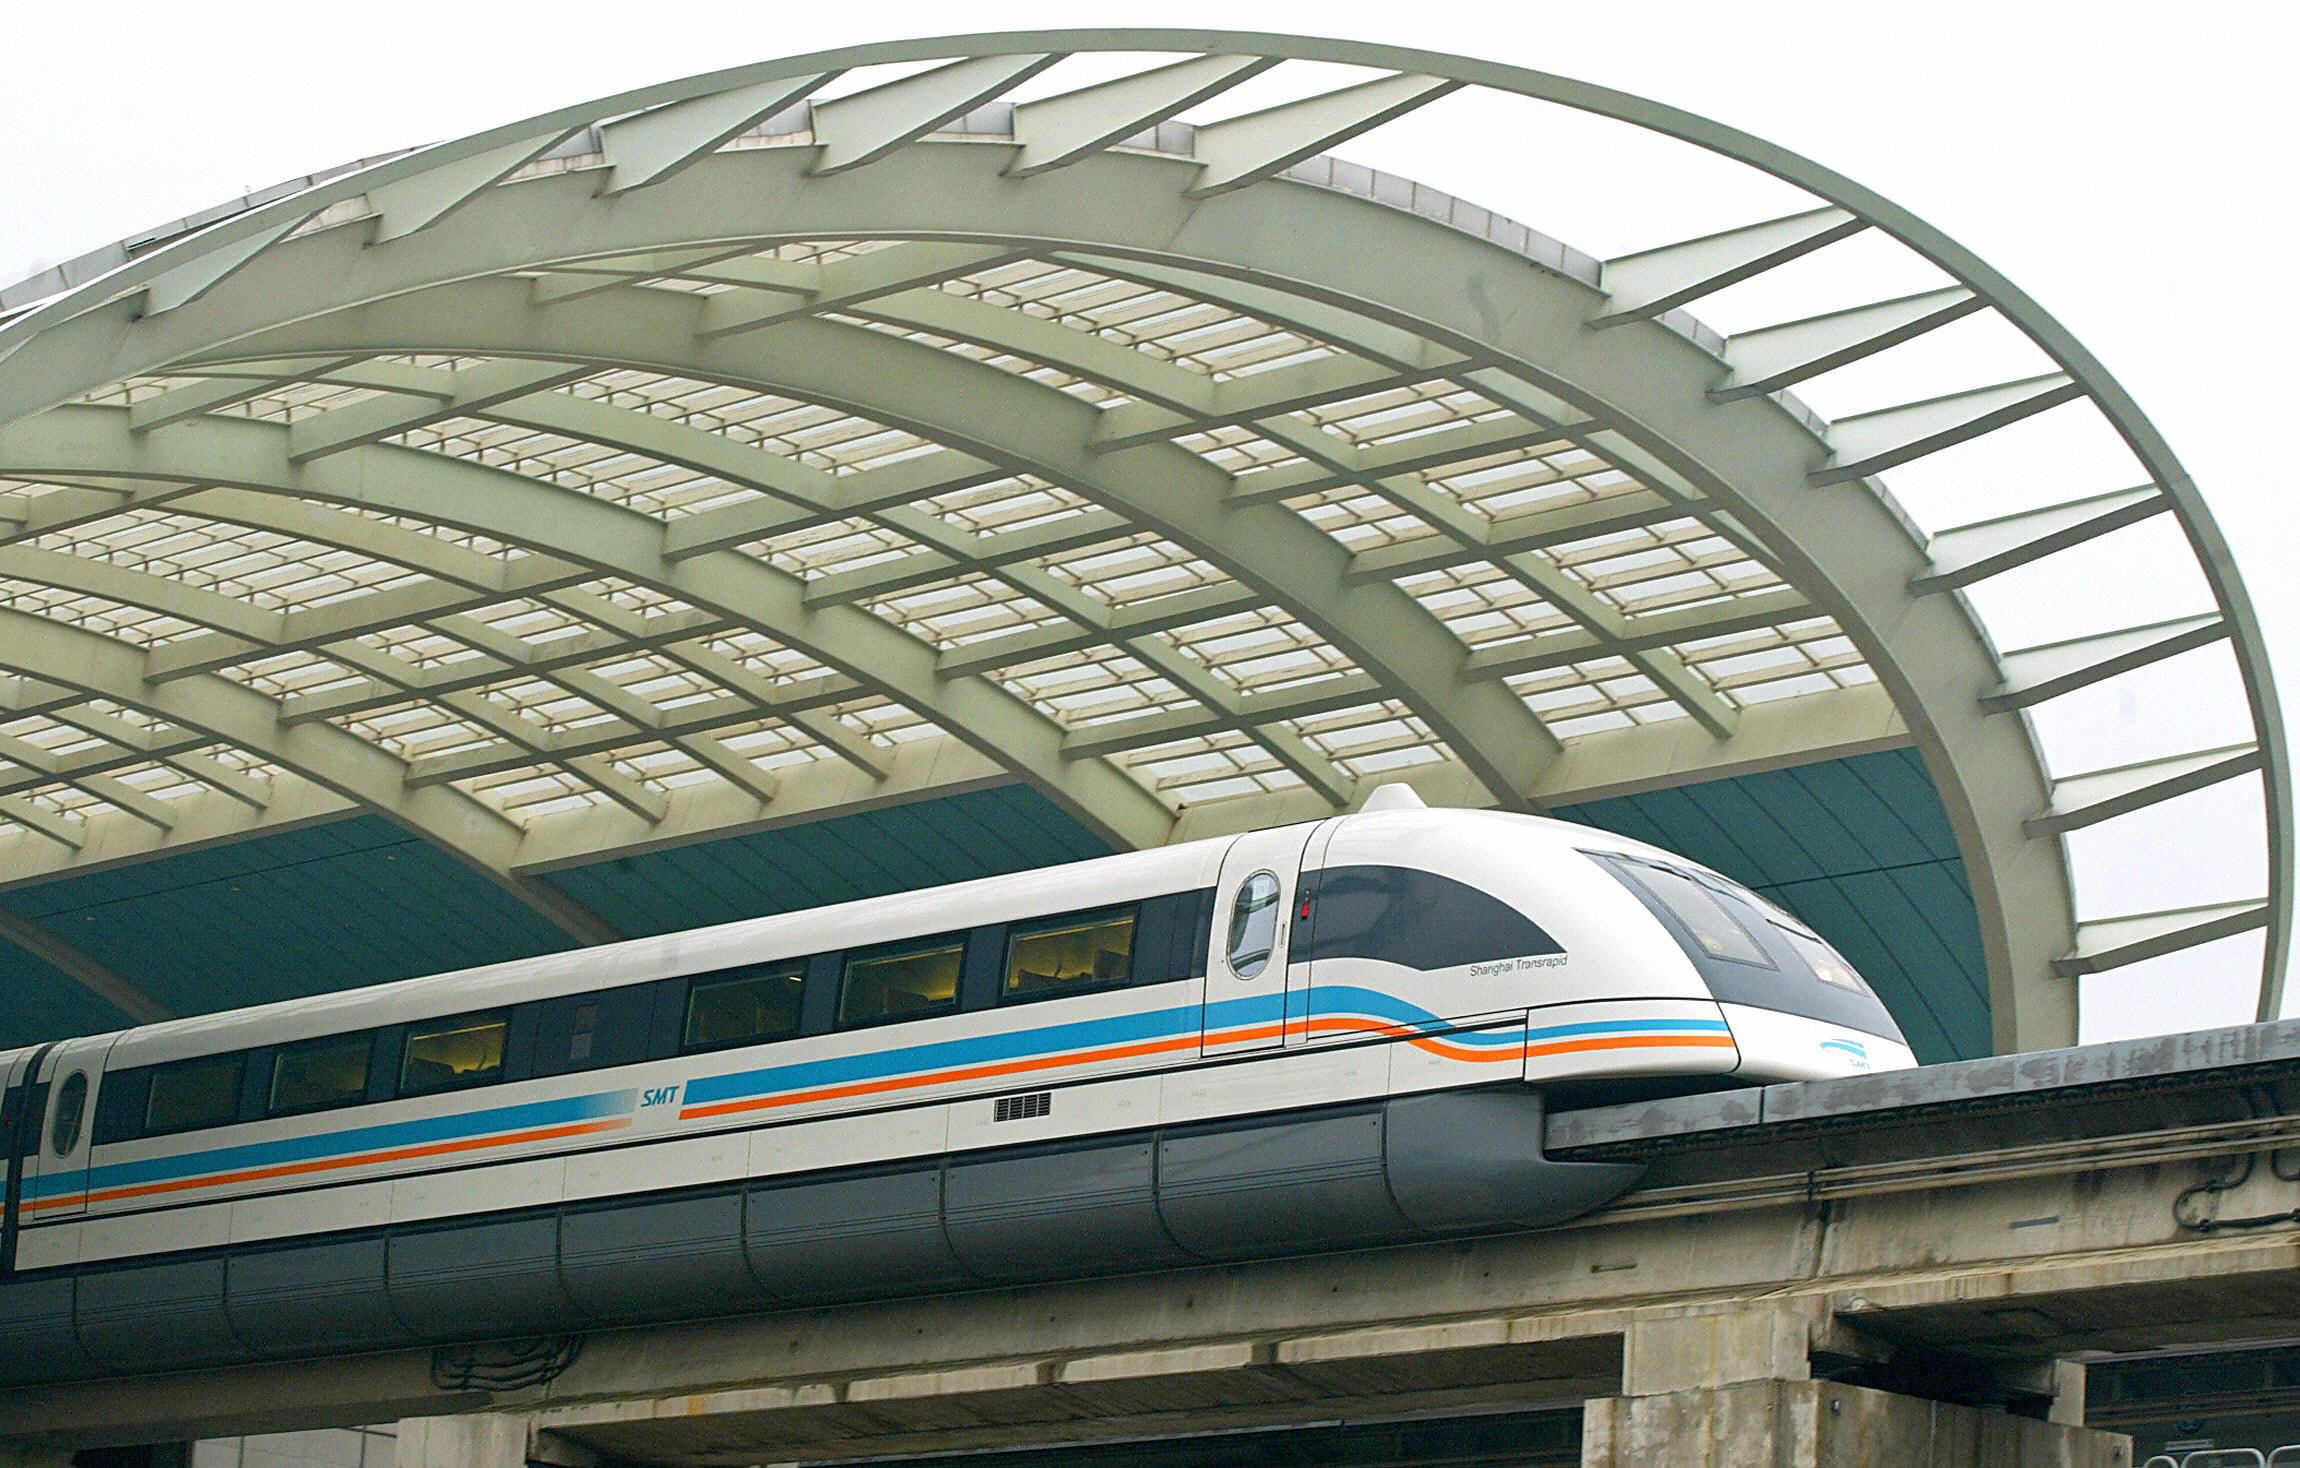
(1412, 918)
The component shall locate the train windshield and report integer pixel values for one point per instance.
(1750, 951)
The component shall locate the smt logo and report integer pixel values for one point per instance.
(1855, 1053)
(659, 1096)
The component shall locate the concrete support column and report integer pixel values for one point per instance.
(1734, 1389)
(480, 1440)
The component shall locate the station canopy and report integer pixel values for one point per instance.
(844, 473)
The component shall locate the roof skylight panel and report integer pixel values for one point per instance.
(763, 657)
(1237, 450)
(1135, 570)
(771, 744)
(533, 792)
(974, 604)
(1262, 652)
(840, 545)
(1003, 504)
(417, 729)
(131, 624)
(1360, 520)
(137, 389)
(291, 401)
(1794, 686)
(883, 719)
(469, 540)
(1092, 688)
(303, 675)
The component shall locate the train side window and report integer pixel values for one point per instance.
(1070, 955)
(906, 981)
(316, 1074)
(743, 1006)
(194, 1093)
(1253, 924)
(450, 1054)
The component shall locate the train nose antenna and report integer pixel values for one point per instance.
(1395, 796)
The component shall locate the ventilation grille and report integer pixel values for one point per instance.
(1023, 1108)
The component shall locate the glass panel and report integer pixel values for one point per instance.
(747, 1006)
(1253, 924)
(1828, 965)
(71, 1100)
(1068, 954)
(901, 985)
(192, 1093)
(1719, 933)
(451, 1053)
(330, 1072)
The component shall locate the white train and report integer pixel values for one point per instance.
(1319, 1036)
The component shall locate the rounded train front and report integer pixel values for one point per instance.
(1627, 962)
(1316, 1037)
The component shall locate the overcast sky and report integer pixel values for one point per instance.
(2136, 177)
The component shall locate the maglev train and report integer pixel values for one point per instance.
(1323, 1036)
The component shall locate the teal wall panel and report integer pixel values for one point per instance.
(38, 1002)
(1861, 849)
(325, 907)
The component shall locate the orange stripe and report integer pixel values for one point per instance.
(1433, 1044)
(331, 1164)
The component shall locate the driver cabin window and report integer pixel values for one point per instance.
(1718, 932)
(1253, 924)
(449, 1054)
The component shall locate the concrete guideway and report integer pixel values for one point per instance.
(1937, 1244)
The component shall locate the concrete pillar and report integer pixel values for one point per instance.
(1734, 1389)
(480, 1440)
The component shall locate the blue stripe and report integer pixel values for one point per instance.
(1123, 1029)
(453, 1127)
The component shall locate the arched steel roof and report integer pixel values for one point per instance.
(740, 449)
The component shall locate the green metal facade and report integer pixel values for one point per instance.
(1858, 847)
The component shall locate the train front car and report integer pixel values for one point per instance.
(1597, 958)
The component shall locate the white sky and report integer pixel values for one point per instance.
(2136, 177)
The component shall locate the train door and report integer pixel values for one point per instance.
(1246, 974)
(56, 1174)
